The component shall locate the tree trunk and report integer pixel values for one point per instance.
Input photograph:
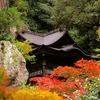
(4, 3)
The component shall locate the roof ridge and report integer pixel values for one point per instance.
(45, 34)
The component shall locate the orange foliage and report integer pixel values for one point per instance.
(50, 84)
(4, 78)
(82, 68)
(5, 92)
(71, 77)
(65, 72)
(90, 68)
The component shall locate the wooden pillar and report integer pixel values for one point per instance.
(43, 65)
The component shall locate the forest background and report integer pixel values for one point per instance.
(80, 18)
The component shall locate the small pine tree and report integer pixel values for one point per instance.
(9, 18)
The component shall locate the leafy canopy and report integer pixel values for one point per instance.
(25, 48)
(39, 15)
(9, 18)
(81, 15)
(77, 13)
(22, 7)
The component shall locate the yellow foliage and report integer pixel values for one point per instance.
(30, 94)
(19, 2)
(25, 48)
(98, 32)
(4, 80)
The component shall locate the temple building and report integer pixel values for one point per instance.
(52, 50)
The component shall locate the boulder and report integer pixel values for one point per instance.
(14, 63)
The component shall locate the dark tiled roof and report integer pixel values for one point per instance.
(40, 40)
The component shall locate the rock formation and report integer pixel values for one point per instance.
(14, 63)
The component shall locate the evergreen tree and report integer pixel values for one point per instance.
(9, 18)
(39, 15)
(83, 16)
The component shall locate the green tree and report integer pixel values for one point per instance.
(82, 15)
(9, 18)
(77, 13)
(22, 7)
(39, 15)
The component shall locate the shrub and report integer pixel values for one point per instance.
(4, 80)
(67, 73)
(24, 93)
(6, 37)
(82, 69)
(25, 48)
(34, 94)
(72, 78)
(61, 87)
(93, 89)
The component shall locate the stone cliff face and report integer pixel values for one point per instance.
(14, 63)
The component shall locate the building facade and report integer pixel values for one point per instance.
(52, 50)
